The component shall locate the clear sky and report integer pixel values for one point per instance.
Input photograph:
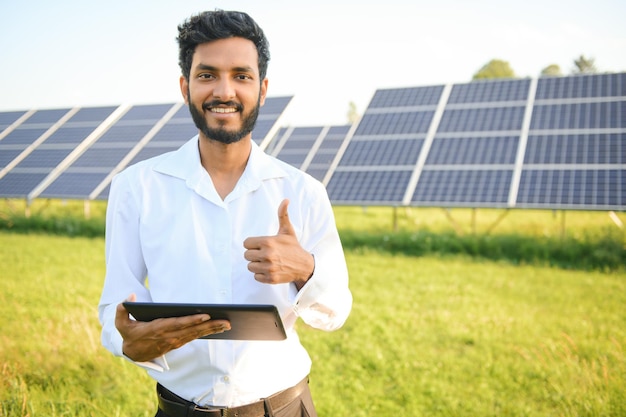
(325, 53)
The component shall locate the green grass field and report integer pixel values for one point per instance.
(434, 335)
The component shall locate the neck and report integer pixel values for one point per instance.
(225, 163)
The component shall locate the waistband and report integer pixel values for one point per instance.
(175, 406)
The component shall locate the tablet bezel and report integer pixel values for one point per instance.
(247, 321)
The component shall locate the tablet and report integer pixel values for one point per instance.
(247, 322)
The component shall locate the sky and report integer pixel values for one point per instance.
(326, 54)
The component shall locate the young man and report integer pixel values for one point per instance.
(220, 222)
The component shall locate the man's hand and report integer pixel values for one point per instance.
(279, 259)
(144, 341)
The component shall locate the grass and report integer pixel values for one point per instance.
(430, 334)
(571, 240)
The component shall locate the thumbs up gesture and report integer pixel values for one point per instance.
(280, 258)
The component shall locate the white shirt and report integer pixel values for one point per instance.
(166, 221)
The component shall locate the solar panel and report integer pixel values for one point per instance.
(321, 160)
(311, 149)
(86, 173)
(75, 153)
(555, 142)
(376, 163)
(575, 156)
(64, 137)
(19, 141)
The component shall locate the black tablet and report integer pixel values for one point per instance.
(247, 322)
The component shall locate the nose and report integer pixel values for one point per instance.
(224, 89)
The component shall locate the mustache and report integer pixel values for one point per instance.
(217, 103)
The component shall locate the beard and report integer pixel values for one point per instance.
(219, 133)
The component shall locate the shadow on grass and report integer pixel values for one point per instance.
(605, 253)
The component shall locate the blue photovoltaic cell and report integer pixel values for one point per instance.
(298, 145)
(473, 151)
(482, 119)
(317, 173)
(74, 184)
(392, 152)
(104, 194)
(582, 86)
(7, 155)
(70, 135)
(572, 188)
(44, 158)
(22, 137)
(125, 133)
(301, 140)
(47, 117)
(394, 123)
(490, 91)
(275, 105)
(579, 115)
(92, 114)
(323, 158)
(332, 143)
(18, 184)
(406, 97)
(152, 151)
(463, 187)
(261, 129)
(368, 186)
(576, 149)
(7, 118)
(175, 132)
(146, 112)
(98, 156)
(338, 131)
(327, 151)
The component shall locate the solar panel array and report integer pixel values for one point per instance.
(74, 153)
(554, 142)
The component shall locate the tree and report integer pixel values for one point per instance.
(552, 70)
(584, 65)
(496, 68)
(353, 115)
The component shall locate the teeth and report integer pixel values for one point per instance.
(223, 110)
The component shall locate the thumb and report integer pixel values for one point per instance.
(284, 224)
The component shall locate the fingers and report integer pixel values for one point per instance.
(121, 314)
(284, 224)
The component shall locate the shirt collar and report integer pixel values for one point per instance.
(184, 163)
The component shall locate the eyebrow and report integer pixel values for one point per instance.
(205, 67)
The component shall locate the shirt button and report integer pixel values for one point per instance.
(226, 378)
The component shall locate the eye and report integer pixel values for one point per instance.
(243, 77)
(205, 76)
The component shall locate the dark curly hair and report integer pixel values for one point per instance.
(219, 24)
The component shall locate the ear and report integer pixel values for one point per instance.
(263, 92)
(184, 88)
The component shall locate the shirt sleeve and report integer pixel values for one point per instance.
(325, 300)
(125, 267)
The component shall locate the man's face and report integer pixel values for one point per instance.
(224, 91)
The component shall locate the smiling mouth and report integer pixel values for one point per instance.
(222, 107)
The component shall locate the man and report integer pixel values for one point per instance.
(220, 222)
